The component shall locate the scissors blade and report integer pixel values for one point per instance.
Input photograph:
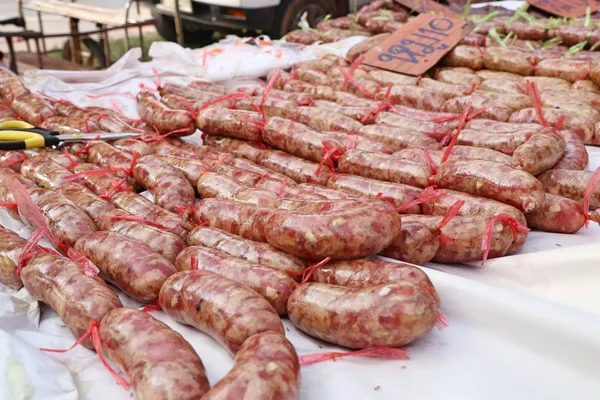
(79, 137)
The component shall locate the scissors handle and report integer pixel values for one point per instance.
(19, 135)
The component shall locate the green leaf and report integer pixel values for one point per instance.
(467, 10)
(588, 16)
(576, 48)
(548, 44)
(496, 36)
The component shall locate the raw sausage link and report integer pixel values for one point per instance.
(74, 296)
(558, 215)
(417, 97)
(540, 153)
(266, 367)
(238, 124)
(69, 126)
(223, 187)
(583, 127)
(352, 317)
(170, 187)
(464, 56)
(509, 60)
(60, 158)
(409, 123)
(353, 231)
(6, 176)
(576, 155)
(274, 285)
(209, 87)
(256, 252)
(138, 205)
(225, 310)
(492, 180)
(369, 272)
(416, 244)
(394, 193)
(32, 108)
(397, 138)
(12, 159)
(297, 139)
(140, 274)
(99, 184)
(493, 109)
(133, 146)
(570, 184)
(167, 244)
(238, 148)
(481, 153)
(156, 114)
(384, 167)
(465, 235)
(358, 142)
(43, 172)
(162, 365)
(322, 192)
(66, 221)
(570, 70)
(296, 168)
(11, 246)
(476, 206)
(322, 120)
(494, 141)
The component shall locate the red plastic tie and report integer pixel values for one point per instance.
(308, 272)
(383, 106)
(428, 194)
(591, 186)
(72, 162)
(559, 124)
(32, 213)
(18, 160)
(157, 81)
(88, 145)
(441, 320)
(98, 96)
(134, 159)
(151, 307)
(27, 251)
(93, 172)
(84, 263)
(389, 353)
(8, 204)
(134, 218)
(356, 83)
(283, 187)
(95, 336)
(432, 166)
(116, 187)
(534, 94)
(266, 93)
(193, 263)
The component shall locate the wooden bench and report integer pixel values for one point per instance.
(102, 17)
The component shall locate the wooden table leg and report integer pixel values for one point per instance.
(13, 57)
(75, 41)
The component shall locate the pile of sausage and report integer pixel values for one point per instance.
(498, 28)
(228, 267)
(300, 182)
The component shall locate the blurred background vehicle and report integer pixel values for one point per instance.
(200, 19)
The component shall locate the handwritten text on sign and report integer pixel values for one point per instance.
(566, 8)
(419, 44)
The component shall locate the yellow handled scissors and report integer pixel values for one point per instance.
(18, 135)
